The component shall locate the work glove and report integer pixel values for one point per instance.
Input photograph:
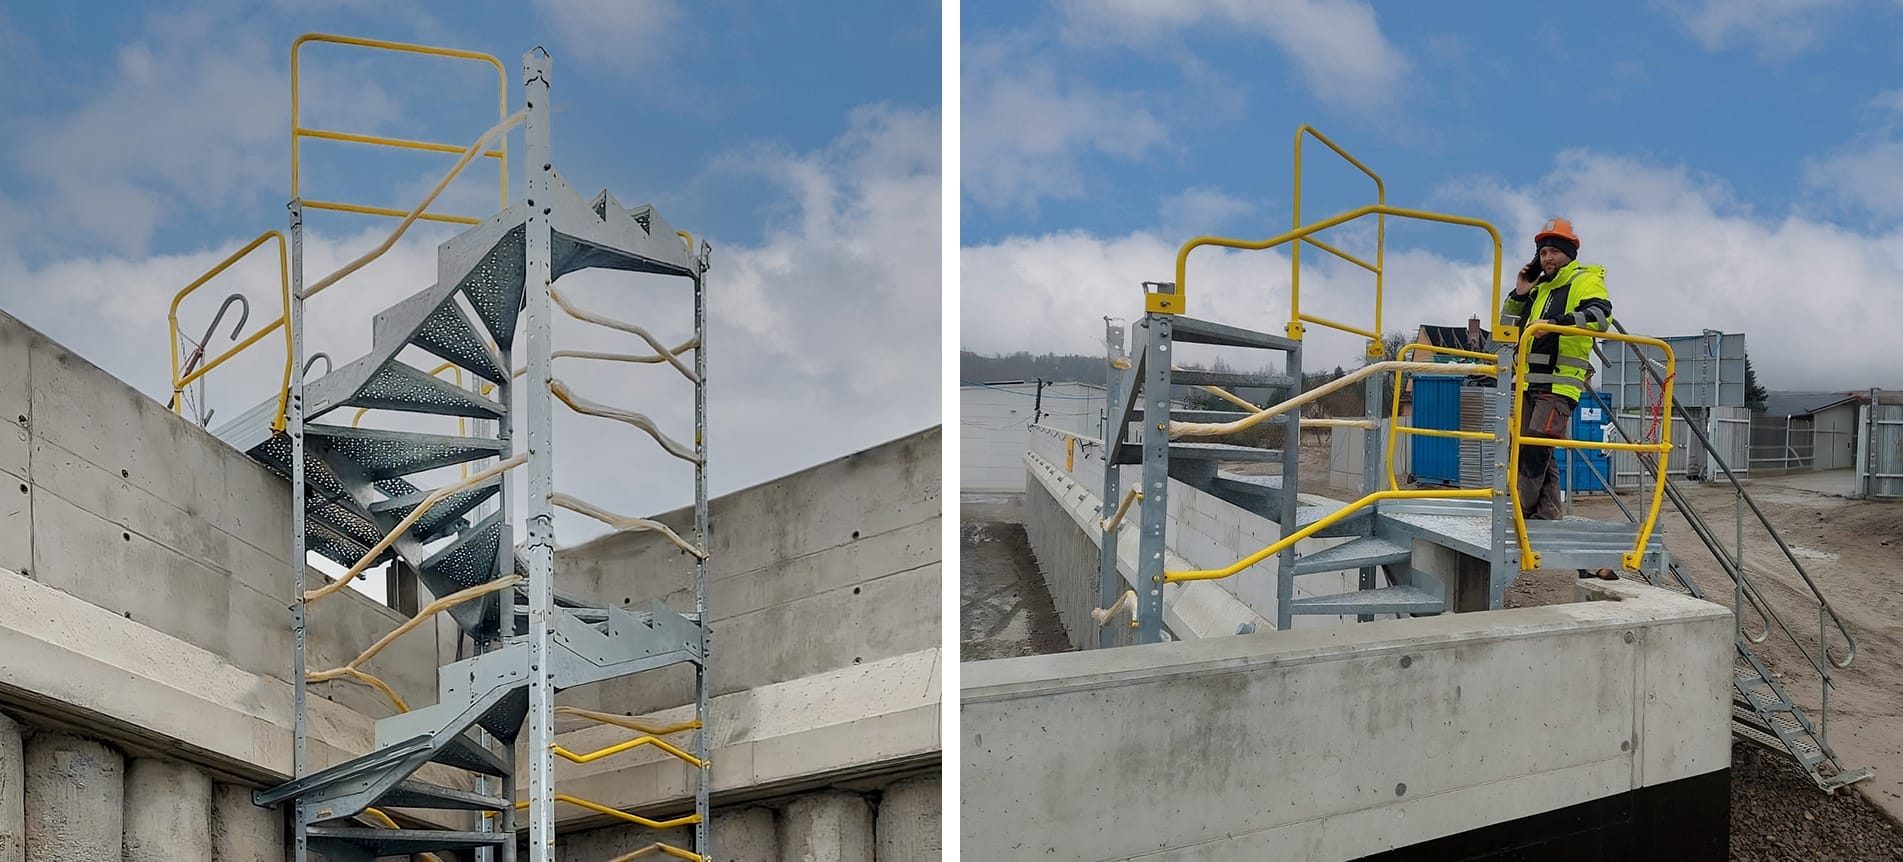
(1567, 319)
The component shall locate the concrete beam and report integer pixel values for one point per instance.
(878, 718)
(1417, 729)
(72, 662)
(828, 827)
(168, 812)
(12, 792)
(241, 831)
(75, 799)
(909, 818)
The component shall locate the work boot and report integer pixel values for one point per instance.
(1602, 574)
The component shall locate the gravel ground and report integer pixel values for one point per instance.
(1777, 815)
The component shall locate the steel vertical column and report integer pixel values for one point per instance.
(294, 427)
(1371, 453)
(1291, 488)
(703, 843)
(1109, 584)
(1499, 417)
(537, 274)
(1156, 478)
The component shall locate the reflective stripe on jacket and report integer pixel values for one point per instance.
(1557, 363)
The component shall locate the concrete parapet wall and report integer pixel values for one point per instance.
(1401, 731)
(831, 567)
(107, 495)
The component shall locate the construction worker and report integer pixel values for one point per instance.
(1555, 287)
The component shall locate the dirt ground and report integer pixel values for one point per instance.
(1005, 609)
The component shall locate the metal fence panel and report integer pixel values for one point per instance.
(1710, 372)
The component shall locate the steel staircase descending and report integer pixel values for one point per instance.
(1763, 710)
(374, 495)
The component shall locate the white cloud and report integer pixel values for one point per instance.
(1867, 175)
(1200, 210)
(1026, 126)
(629, 38)
(1682, 254)
(1336, 45)
(1777, 28)
(824, 337)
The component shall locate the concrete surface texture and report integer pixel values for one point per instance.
(830, 567)
(908, 820)
(168, 812)
(1408, 730)
(829, 826)
(102, 487)
(74, 800)
(12, 793)
(863, 824)
(241, 831)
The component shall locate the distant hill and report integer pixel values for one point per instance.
(1023, 365)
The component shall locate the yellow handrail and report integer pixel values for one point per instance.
(1394, 412)
(298, 132)
(414, 214)
(629, 723)
(1201, 429)
(354, 668)
(1178, 302)
(1295, 252)
(658, 847)
(1110, 524)
(1330, 520)
(410, 520)
(1530, 559)
(598, 808)
(171, 320)
(631, 744)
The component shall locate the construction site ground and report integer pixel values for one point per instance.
(1852, 548)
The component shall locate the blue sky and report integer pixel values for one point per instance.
(146, 141)
(1758, 138)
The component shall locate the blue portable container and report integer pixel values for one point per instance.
(1436, 460)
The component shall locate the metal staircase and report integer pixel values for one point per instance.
(368, 496)
(1763, 710)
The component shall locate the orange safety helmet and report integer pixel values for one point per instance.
(1558, 227)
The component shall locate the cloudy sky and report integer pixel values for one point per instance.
(147, 141)
(1733, 165)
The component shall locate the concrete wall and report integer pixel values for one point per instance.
(1344, 743)
(1203, 532)
(891, 822)
(994, 423)
(67, 798)
(831, 567)
(108, 496)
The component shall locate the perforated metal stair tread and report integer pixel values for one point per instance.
(399, 386)
(1353, 554)
(449, 334)
(494, 286)
(445, 513)
(419, 794)
(471, 559)
(401, 842)
(1386, 600)
(384, 454)
(462, 752)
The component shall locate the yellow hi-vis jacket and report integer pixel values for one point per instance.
(1574, 296)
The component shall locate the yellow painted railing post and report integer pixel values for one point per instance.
(1296, 317)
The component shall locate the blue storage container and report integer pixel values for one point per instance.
(1435, 460)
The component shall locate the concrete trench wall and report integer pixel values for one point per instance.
(107, 495)
(896, 822)
(1602, 724)
(68, 798)
(834, 566)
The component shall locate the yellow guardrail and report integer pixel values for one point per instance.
(1530, 559)
(1178, 302)
(1296, 317)
(171, 321)
(1395, 428)
(299, 132)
